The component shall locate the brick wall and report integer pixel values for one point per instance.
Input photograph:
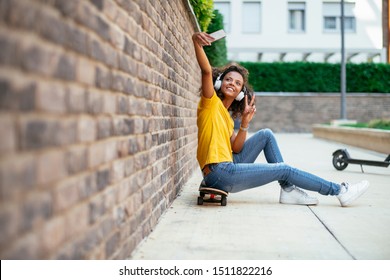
(298, 112)
(97, 121)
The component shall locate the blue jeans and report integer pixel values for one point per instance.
(243, 173)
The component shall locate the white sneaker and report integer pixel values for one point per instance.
(349, 193)
(296, 196)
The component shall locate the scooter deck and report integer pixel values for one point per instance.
(341, 159)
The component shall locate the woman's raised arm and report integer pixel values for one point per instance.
(201, 39)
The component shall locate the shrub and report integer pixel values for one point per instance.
(381, 124)
(203, 10)
(317, 77)
(368, 77)
(217, 52)
(377, 124)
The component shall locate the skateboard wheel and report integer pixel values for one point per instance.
(223, 201)
(200, 200)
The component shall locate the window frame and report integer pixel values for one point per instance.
(244, 17)
(348, 15)
(226, 20)
(296, 7)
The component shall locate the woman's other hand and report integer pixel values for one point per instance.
(249, 111)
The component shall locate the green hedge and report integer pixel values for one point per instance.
(317, 77)
(217, 52)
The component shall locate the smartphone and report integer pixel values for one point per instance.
(218, 35)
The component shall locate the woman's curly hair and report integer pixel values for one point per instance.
(237, 107)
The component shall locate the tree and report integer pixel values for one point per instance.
(217, 52)
(203, 10)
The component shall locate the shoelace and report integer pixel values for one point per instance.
(301, 192)
(346, 186)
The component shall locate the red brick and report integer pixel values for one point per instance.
(53, 234)
(86, 128)
(93, 100)
(8, 143)
(51, 167)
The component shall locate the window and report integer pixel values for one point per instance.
(332, 17)
(330, 23)
(251, 17)
(224, 9)
(296, 16)
(349, 24)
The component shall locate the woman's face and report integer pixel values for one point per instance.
(232, 84)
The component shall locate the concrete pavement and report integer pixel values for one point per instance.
(254, 225)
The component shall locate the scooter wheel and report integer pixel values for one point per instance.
(339, 160)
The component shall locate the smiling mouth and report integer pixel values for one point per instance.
(230, 89)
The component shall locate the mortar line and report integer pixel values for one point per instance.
(331, 233)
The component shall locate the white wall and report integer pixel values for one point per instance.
(274, 36)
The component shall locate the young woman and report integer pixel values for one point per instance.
(227, 159)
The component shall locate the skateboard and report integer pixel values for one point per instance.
(212, 195)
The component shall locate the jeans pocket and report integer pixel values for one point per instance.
(212, 166)
(219, 178)
(226, 167)
(212, 180)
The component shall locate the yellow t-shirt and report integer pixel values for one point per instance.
(215, 127)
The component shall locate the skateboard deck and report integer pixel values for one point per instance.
(212, 195)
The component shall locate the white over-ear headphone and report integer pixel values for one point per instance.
(241, 95)
(218, 84)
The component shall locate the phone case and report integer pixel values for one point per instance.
(217, 35)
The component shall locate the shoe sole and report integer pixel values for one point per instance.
(353, 198)
(295, 203)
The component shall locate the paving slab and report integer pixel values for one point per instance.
(254, 225)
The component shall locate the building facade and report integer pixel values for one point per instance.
(286, 30)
